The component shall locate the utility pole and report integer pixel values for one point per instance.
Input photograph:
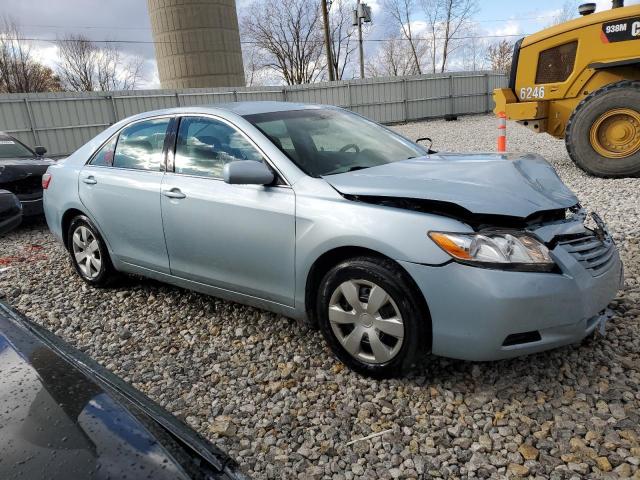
(327, 40)
(361, 49)
(362, 13)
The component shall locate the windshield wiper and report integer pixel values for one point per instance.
(357, 167)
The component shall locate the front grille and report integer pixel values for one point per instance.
(29, 185)
(592, 253)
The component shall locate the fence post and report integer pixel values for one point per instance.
(451, 100)
(114, 108)
(487, 92)
(235, 95)
(177, 99)
(284, 94)
(405, 98)
(349, 106)
(32, 126)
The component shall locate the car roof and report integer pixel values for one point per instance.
(257, 107)
(237, 108)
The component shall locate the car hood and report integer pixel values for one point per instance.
(482, 183)
(65, 415)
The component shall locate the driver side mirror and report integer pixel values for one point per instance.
(40, 151)
(247, 172)
(427, 139)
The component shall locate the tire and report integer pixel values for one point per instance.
(619, 95)
(97, 269)
(359, 277)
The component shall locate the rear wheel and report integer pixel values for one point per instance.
(371, 317)
(89, 254)
(603, 133)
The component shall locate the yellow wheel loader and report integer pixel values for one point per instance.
(581, 81)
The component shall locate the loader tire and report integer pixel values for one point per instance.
(603, 132)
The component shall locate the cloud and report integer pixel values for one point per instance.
(606, 4)
(510, 27)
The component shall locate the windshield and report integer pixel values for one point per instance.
(326, 142)
(10, 148)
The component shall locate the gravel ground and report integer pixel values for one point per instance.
(268, 391)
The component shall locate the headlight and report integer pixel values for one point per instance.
(508, 250)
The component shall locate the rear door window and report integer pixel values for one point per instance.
(140, 145)
(104, 156)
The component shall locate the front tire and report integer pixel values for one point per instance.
(371, 317)
(603, 133)
(89, 254)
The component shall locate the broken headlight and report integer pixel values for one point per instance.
(507, 250)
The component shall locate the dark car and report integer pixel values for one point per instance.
(21, 171)
(63, 416)
(10, 211)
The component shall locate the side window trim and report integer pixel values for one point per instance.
(267, 160)
(169, 147)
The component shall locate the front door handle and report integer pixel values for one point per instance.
(173, 193)
(90, 180)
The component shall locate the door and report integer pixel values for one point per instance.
(237, 237)
(120, 187)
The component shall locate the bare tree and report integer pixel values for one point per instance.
(395, 58)
(473, 50)
(567, 12)
(500, 55)
(84, 66)
(19, 71)
(114, 72)
(445, 20)
(342, 36)
(254, 63)
(402, 12)
(289, 33)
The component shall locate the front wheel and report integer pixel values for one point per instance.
(371, 317)
(603, 133)
(89, 254)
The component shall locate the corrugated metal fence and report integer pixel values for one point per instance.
(64, 121)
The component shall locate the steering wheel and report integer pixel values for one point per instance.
(349, 146)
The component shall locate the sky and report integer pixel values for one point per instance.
(129, 20)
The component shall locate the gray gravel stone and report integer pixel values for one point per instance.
(268, 391)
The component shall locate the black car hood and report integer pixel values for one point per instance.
(483, 183)
(15, 169)
(64, 416)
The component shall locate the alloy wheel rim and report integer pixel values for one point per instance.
(616, 133)
(86, 252)
(366, 321)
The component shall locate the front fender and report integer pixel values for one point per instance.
(328, 222)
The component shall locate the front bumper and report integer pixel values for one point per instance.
(473, 310)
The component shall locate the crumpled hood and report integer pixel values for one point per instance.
(482, 183)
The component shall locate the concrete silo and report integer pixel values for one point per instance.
(197, 43)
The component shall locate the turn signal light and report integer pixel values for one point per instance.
(46, 180)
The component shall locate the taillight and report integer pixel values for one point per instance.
(46, 180)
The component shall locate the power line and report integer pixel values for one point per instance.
(111, 27)
(151, 42)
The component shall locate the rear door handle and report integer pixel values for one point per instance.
(173, 193)
(90, 180)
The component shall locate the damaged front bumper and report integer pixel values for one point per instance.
(483, 314)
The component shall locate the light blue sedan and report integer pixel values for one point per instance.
(322, 215)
